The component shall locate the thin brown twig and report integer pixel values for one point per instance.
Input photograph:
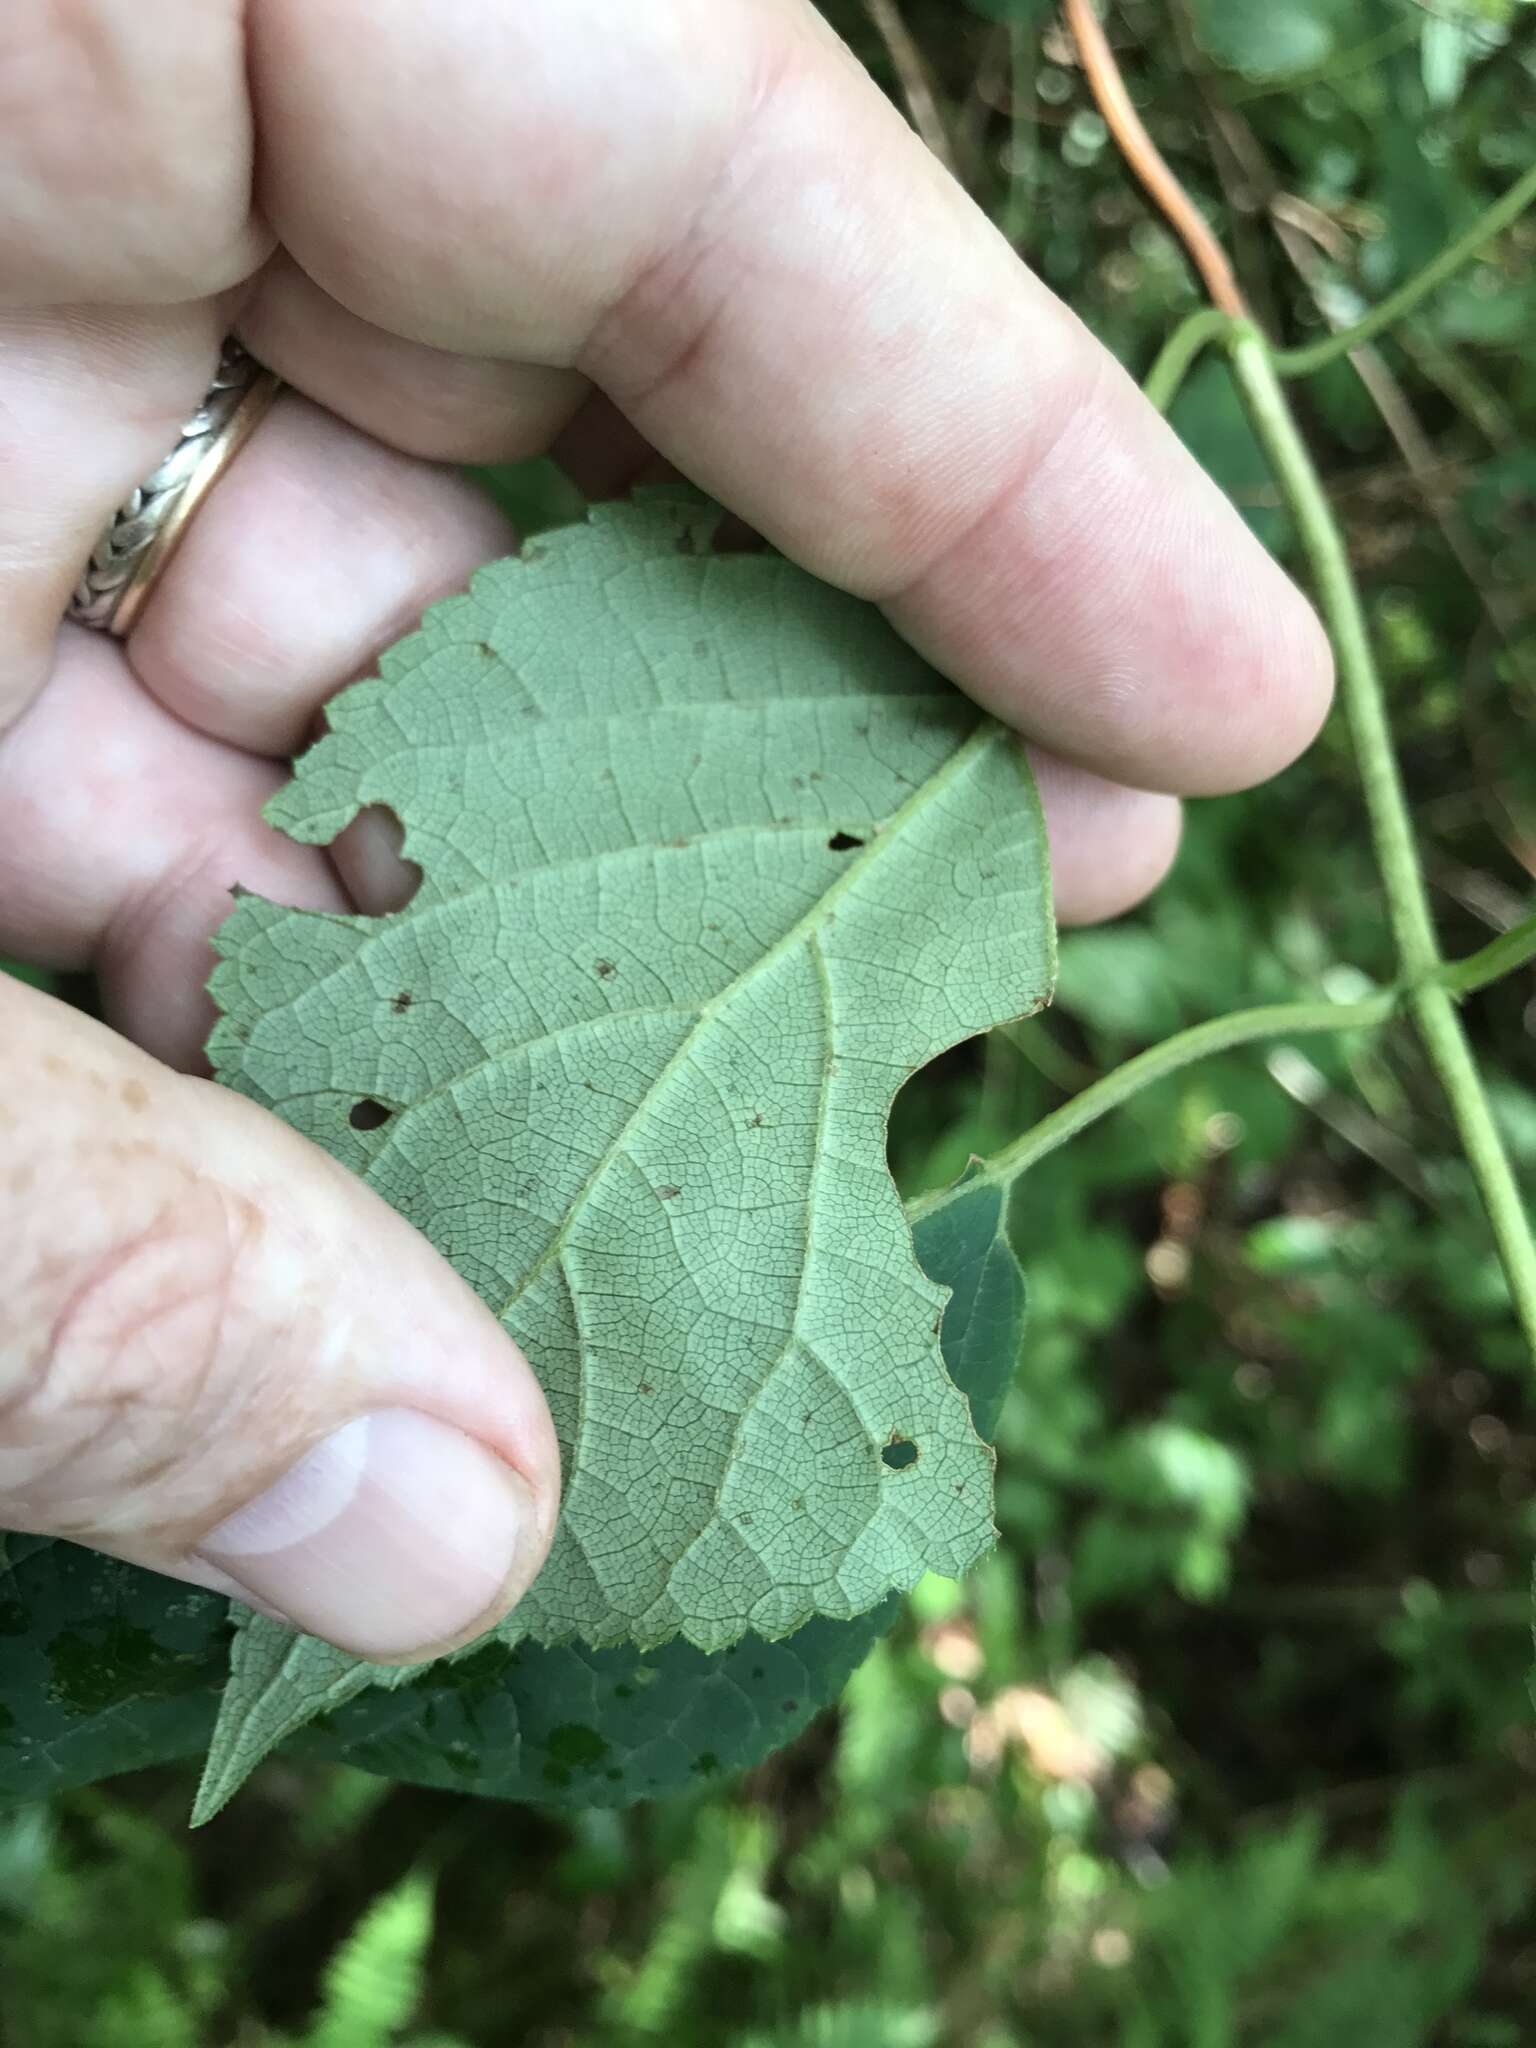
(912, 76)
(1242, 182)
(1146, 160)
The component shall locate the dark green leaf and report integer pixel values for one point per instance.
(103, 1668)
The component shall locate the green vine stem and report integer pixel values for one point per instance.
(1429, 987)
(1181, 351)
(1426, 987)
(1429, 1000)
(1499, 957)
(1512, 949)
(1208, 324)
(1359, 686)
(1316, 355)
(1220, 1034)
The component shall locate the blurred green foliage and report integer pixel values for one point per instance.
(1229, 1743)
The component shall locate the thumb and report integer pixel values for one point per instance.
(224, 1358)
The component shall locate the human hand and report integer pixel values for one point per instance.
(693, 230)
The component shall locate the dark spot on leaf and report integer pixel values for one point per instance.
(97, 1666)
(13, 1618)
(686, 544)
(668, 1193)
(899, 1453)
(798, 1502)
(646, 1387)
(754, 1122)
(605, 969)
(937, 1322)
(473, 1679)
(843, 842)
(484, 647)
(701, 649)
(533, 552)
(574, 1748)
(817, 776)
(744, 1521)
(987, 874)
(758, 1671)
(623, 1692)
(790, 1706)
(805, 1420)
(613, 1774)
(705, 1764)
(402, 1002)
(369, 1115)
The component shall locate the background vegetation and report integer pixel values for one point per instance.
(1230, 1742)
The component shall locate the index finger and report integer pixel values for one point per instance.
(708, 208)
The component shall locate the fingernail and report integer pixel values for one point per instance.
(392, 1538)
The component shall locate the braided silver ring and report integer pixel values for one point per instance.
(146, 529)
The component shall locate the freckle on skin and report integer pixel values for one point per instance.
(21, 1179)
(135, 1095)
(52, 1064)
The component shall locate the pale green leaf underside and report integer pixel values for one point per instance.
(711, 863)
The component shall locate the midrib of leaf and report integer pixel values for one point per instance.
(987, 733)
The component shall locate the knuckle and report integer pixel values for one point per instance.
(150, 1310)
(145, 1351)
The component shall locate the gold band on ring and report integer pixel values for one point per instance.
(150, 525)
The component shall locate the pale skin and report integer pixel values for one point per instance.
(691, 232)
